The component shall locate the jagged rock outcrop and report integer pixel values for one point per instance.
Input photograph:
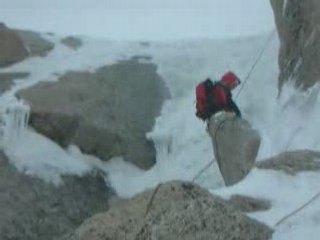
(298, 24)
(32, 209)
(292, 162)
(177, 210)
(236, 145)
(35, 43)
(106, 113)
(12, 48)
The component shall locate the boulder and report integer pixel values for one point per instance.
(235, 145)
(292, 162)
(106, 113)
(174, 210)
(298, 24)
(249, 204)
(72, 42)
(33, 209)
(12, 48)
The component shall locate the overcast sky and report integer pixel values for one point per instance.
(141, 19)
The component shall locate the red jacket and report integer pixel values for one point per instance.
(221, 96)
(222, 92)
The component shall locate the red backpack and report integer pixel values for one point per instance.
(205, 103)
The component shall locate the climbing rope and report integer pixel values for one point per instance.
(283, 219)
(202, 170)
(259, 56)
(150, 202)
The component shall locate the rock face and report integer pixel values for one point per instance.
(106, 113)
(12, 49)
(293, 162)
(177, 210)
(37, 45)
(236, 145)
(32, 209)
(298, 24)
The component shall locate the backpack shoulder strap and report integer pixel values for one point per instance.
(209, 85)
(222, 85)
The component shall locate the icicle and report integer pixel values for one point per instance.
(13, 121)
(284, 7)
(163, 144)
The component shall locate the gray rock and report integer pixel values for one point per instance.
(12, 48)
(298, 27)
(177, 211)
(145, 44)
(142, 58)
(235, 145)
(72, 42)
(249, 204)
(6, 79)
(106, 113)
(292, 162)
(32, 209)
(37, 45)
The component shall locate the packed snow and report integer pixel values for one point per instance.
(288, 122)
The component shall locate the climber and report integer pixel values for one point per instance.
(214, 97)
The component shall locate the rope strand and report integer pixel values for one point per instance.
(283, 219)
(256, 61)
